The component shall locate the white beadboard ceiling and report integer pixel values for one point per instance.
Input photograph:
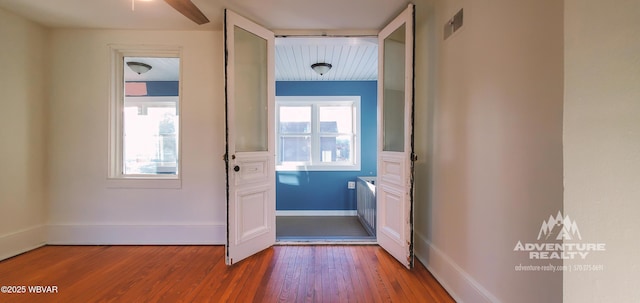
(352, 58)
(162, 69)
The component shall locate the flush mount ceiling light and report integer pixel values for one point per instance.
(139, 67)
(321, 68)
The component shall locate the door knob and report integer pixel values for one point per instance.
(236, 168)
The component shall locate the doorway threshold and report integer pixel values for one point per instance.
(324, 241)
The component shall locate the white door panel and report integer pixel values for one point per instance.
(255, 221)
(392, 168)
(250, 157)
(395, 138)
(254, 168)
(391, 200)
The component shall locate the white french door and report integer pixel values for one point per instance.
(250, 156)
(394, 188)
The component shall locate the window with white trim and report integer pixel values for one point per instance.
(318, 133)
(145, 123)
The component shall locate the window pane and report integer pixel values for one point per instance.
(318, 133)
(295, 149)
(335, 149)
(295, 119)
(150, 137)
(336, 119)
(150, 117)
(144, 134)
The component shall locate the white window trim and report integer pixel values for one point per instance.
(330, 100)
(115, 176)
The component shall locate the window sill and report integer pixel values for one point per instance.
(318, 168)
(145, 182)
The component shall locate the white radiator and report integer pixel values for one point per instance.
(366, 203)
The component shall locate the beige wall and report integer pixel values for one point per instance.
(602, 144)
(488, 134)
(491, 149)
(84, 209)
(23, 66)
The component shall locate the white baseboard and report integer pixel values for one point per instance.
(316, 212)
(61, 234)
(22, 241)
(460, 285)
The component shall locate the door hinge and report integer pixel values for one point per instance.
(414, 157)
(225, 157)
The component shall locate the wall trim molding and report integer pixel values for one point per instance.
(122, 234)
(460, 285)
(22, 241)
(316, 213)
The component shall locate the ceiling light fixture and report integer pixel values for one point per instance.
(321, 68)
(139, 67)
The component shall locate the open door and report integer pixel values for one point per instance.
(395, 138)
(250, 157)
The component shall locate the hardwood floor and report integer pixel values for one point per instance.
(198, 274)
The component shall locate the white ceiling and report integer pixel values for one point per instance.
(156, 14)
(351, 59)
(162, 69)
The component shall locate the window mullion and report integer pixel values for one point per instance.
(278, 149)
(315, 138)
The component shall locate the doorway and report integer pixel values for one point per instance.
(326, 138)
(250, 150)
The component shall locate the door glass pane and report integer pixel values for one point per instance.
(394, 94)
(251, 121)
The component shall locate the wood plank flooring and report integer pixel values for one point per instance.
(198, 274)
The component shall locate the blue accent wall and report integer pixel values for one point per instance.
(160, 88)
(327, 190)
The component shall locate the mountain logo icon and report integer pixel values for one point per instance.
(560, 228)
